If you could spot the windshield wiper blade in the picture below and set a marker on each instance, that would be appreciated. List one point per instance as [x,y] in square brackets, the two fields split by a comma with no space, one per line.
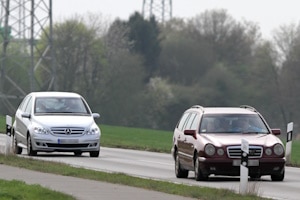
[254,132]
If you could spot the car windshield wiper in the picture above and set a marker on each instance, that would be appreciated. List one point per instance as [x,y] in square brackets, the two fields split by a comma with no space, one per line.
[254,132]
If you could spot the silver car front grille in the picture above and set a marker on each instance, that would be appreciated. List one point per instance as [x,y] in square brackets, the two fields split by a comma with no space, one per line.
[235,152]
[60,131]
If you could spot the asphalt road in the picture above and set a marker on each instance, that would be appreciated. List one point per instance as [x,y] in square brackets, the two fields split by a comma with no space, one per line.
[81,189]
[161,166]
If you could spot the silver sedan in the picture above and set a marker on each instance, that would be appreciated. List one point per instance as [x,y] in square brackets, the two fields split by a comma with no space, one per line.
[55,121]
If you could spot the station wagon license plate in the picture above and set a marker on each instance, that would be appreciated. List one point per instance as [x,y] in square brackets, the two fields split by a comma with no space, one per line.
[67,141]
[251,163]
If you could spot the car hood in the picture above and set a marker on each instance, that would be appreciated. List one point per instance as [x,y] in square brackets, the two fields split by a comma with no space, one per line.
[64,120]
[235,139]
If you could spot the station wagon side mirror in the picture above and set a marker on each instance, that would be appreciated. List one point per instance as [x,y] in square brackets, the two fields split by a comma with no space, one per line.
[96,115]
[276,131]
[191,133]
[26,115]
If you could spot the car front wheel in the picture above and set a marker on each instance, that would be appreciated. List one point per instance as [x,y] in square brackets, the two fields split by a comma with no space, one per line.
[94,153]
[77,153]
[180,173]
[16,148]
[278,177]
[199,176]
[30,152]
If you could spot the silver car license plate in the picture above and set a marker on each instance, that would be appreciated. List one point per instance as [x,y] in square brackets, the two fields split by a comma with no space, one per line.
[67,141]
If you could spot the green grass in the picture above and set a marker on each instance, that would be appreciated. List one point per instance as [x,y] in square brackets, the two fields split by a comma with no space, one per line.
[136,138]
[18,190]
[2,124]
[295,160]
[197,192]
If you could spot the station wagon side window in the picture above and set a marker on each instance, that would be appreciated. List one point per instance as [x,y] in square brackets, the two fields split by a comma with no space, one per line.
[190,121]
[182,121]
[195,123]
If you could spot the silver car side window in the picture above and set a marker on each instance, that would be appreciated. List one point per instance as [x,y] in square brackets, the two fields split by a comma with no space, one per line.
[28,106]
[24,103]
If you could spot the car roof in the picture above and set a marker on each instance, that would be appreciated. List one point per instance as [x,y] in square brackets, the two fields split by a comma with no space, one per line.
[54,94]
[228,110]
[224,110]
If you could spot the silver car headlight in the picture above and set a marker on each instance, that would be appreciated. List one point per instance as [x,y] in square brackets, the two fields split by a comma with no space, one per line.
[40,130]
[94,130]
[210,149]
[278,149]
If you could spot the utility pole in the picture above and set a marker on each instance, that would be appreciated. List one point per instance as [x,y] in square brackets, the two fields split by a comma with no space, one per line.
[160,9]
[22,23]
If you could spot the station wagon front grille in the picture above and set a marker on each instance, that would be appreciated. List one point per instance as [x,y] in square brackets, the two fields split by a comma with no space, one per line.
[235,152]
[60,131]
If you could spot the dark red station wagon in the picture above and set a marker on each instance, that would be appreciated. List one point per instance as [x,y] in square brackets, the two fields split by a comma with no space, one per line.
[207,140]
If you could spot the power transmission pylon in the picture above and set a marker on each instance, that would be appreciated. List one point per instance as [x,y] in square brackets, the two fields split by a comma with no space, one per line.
[160,9]
[22,23]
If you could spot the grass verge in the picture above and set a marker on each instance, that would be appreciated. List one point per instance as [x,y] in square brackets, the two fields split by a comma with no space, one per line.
[197,192]
[11,190]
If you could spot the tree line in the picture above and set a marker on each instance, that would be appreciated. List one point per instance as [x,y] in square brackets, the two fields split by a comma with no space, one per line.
[142,73]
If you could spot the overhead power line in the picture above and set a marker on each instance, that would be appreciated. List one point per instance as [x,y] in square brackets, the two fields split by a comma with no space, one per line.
[160,9]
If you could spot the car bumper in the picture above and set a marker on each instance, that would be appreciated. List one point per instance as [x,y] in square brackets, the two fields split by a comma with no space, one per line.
[231,167]
[65,144]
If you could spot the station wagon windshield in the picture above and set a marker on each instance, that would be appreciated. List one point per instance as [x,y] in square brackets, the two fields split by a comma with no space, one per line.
[232,123]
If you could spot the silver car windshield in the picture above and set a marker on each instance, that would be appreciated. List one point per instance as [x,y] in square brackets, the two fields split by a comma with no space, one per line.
[232,123]
[49,105]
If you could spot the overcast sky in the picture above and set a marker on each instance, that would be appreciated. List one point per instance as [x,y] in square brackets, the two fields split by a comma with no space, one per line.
[268,14]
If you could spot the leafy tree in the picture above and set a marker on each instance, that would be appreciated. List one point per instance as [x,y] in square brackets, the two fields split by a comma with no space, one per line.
[79,57]
[184,57]
[264,90]
[158,95]
[220,87]
[120,88]
[14,63]
[287,39]
[145,35]
[119,91]
[232,41]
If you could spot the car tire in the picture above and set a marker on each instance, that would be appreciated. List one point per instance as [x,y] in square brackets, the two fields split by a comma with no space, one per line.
[199,176]
[16,148]
[179,172]
[30,152]
[77,153]
[278,177]
[255,176]
[94,154]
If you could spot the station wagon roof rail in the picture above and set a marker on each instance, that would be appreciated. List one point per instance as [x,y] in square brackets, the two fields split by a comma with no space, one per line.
[248,107]
[198,106]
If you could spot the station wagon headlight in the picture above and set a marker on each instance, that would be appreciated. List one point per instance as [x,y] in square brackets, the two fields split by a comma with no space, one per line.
[268,151]
[220,152]
[40,130]
[210,149]
[278,149]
